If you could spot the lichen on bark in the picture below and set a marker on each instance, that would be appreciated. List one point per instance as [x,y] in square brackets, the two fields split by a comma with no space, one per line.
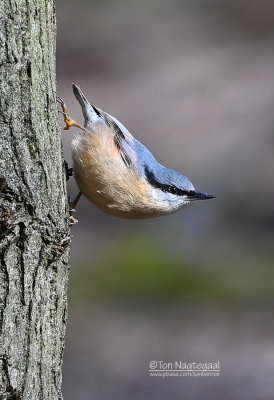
[34,231]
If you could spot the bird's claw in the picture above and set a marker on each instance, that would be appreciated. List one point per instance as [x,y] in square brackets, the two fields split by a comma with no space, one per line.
[72,220]
[69,172]
[59,100]
[72,205]
[67,118]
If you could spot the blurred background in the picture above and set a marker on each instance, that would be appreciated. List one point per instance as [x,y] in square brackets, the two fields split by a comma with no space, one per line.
[192,80]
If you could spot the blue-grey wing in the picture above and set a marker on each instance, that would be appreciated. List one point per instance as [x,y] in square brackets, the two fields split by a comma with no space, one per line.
[134,154]
[122,139]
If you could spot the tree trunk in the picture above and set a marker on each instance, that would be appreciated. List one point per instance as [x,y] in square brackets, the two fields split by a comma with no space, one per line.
[34,241]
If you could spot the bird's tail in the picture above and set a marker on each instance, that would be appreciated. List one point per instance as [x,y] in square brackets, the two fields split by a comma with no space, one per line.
[90,113]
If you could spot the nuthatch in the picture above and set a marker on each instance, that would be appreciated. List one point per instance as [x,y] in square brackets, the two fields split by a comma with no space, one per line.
[119,174]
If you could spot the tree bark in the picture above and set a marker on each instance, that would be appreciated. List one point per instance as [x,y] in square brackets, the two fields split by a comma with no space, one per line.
[35,236]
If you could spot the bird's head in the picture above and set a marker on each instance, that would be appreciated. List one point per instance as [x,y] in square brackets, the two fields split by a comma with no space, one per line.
[172,189]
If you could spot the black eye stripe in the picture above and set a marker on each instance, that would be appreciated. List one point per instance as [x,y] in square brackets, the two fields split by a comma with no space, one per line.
[166,188]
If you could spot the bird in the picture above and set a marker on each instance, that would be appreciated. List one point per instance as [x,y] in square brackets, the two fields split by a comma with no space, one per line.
[117,173]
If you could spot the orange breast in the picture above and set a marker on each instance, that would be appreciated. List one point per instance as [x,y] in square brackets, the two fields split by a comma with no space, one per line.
[106,181]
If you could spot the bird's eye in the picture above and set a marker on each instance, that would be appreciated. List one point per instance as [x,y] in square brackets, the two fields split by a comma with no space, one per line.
[172,189]
[179,192]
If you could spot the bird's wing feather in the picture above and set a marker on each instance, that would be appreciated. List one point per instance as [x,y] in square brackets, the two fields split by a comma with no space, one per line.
[122,138]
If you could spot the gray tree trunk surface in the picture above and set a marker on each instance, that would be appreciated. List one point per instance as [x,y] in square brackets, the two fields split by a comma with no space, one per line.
[34,231]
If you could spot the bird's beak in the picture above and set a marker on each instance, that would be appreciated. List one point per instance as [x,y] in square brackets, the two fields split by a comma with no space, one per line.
[201,196]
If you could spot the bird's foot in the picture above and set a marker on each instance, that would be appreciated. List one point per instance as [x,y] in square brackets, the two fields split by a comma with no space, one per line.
[72,208]
[72,220]
[67,118]
[69,171]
